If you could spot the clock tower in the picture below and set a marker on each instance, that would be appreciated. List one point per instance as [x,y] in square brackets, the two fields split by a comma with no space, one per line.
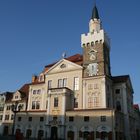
[96,48]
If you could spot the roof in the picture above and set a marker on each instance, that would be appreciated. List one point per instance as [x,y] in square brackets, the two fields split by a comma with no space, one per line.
[9,96]
[24,90]
[136,106]
[120,79]
[74,58]
[95,14]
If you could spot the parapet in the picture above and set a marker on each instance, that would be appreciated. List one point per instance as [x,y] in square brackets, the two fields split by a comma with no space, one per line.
[95,37]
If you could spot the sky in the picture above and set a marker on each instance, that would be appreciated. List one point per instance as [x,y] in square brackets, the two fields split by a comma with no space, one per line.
[34,33]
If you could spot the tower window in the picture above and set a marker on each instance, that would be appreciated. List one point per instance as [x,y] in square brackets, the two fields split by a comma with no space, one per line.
[90,102]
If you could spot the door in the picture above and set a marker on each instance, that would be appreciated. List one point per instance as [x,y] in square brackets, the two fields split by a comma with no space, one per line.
[6,130]
[70,135]
[54,133]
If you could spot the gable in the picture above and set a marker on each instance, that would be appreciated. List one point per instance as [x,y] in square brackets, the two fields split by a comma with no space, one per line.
[16,96]
[64,66]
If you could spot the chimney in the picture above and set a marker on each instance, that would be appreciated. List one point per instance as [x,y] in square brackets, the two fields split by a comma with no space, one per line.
[34,78]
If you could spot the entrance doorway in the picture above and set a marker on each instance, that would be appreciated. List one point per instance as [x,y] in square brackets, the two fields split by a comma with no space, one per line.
[40,134]
[6,130]
[54,133]
[70,135]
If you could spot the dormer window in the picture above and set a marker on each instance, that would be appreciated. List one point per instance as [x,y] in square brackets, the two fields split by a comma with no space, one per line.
[41,78]
[16,97]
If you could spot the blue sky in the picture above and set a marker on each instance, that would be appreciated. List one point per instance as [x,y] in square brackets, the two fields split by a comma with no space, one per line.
[34,33]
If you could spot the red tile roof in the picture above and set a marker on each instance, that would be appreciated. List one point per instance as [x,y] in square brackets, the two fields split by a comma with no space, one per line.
[136,106]
[9,96]
[24,90]
[74,58]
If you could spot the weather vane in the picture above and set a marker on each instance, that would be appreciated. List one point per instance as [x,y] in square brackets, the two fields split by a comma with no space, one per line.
[63,54]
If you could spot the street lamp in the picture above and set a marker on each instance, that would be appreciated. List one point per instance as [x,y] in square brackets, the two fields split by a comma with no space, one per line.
[15,109]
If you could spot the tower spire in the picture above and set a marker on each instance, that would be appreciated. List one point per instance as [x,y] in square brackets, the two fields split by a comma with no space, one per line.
[95,14]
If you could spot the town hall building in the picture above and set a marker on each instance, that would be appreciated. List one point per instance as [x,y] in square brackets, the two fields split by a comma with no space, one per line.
[77,98]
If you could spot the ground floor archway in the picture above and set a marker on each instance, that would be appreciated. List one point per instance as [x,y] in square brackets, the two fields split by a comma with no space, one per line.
[104,135]
[40,134]
[28,133]
[6,130]
[70,135]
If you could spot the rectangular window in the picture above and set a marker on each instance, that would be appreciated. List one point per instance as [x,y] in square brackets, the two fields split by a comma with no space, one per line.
[19,119]
[56,102]
[30,119]
[46,104]
[54,118]
[37,105]
[41,119]
[90,102]
[60,83]
[90,86]
[71,119]
[75,103]
[76,83]
[12,116]
[86,118]
[6,117]
[33,104]
[117,91]
[64,82]
[34,92]
[95,86]
[103,118]
[1,108]
[38,91]
[96,101]
[8,107]
[49,84]
[1,116]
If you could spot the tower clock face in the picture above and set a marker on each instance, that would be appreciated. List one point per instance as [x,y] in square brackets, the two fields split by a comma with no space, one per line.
[92,69]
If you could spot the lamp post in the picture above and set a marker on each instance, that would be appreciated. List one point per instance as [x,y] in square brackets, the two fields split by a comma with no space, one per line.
[15,109]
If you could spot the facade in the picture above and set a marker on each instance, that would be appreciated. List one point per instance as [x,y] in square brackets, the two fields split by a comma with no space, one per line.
[77,98]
